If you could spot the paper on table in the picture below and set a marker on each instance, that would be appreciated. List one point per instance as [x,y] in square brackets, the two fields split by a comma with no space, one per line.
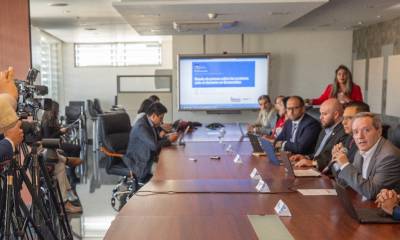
[269,227]
[317,192]
[307,173]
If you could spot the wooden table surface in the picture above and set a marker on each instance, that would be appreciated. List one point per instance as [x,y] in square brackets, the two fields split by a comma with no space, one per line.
[210,199]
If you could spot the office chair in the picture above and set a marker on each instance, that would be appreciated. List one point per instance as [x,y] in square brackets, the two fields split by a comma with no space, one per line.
[394,137]
[97,106]
[114,129]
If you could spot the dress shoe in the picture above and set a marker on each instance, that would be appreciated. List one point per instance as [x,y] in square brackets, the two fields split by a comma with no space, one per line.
[71,209]
[74,161]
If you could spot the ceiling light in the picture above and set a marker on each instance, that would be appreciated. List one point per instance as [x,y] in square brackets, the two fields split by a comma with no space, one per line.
[67,11]
[155,30]
[61,4]
[360,23]
[90,29]
[212,16]
[379,16]
[278,13]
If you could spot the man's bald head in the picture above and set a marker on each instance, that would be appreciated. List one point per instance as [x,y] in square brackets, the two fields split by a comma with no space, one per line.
[331,112]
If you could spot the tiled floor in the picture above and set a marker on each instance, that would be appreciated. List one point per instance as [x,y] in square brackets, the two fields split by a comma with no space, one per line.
[97,211]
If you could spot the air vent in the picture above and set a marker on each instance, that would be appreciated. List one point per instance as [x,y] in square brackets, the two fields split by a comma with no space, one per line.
[202,26]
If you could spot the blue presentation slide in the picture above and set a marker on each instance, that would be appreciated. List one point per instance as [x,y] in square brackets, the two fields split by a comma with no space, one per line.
[223,74]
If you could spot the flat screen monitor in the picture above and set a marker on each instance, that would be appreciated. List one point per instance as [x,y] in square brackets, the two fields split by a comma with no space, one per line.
[222,82]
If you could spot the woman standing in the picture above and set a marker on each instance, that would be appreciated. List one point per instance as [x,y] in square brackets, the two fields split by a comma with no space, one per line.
[343,88]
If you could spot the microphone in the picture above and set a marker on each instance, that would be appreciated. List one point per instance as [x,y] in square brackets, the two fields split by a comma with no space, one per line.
[330,164]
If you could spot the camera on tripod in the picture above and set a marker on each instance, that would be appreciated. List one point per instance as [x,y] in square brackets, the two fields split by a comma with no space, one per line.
[29,105]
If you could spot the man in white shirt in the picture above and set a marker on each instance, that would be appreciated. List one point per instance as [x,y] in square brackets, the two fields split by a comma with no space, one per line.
[376,164]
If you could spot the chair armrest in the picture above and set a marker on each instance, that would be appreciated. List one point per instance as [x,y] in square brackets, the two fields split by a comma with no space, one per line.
[110,154]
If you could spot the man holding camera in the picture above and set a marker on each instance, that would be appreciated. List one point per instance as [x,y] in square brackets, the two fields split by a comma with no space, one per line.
[11,134]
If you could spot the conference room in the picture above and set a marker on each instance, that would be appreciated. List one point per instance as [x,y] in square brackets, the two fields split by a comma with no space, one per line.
[190,120]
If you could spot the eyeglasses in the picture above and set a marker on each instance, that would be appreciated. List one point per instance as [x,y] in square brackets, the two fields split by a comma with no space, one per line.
[293,108]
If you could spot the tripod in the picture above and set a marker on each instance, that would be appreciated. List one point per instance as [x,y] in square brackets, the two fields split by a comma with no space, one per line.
[46,218]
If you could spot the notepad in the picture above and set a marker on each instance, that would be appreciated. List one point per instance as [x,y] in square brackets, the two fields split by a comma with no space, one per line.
[307,173]
[317,192]
[269,227]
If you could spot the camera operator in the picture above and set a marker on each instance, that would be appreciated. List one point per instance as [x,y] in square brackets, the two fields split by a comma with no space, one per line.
[11,134]
[51,129]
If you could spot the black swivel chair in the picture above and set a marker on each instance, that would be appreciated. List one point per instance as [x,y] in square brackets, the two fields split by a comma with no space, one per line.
[114,129]
[394,136]
[97,106]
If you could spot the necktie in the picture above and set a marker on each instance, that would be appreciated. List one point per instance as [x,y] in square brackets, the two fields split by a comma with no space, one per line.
[294,129]
[322,144]
[364,168]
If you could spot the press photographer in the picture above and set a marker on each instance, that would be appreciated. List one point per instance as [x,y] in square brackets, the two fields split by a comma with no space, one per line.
[11,134]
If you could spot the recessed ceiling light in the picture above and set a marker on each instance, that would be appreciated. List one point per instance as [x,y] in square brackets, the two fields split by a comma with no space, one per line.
[379,16]
[67,11]
[90,29]
[212,15]
[155,30]
[278,13]
[149,15]
[360,23]
[61,4]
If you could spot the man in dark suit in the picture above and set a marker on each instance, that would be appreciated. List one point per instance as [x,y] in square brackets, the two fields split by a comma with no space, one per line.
[348,142]
[376,164]
[144,143]
[331,117]
[300,132]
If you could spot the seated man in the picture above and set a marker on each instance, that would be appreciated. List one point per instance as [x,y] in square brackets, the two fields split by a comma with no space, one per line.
[332,133]
[376,164]
[144,142]
[389,200]
[300,132]
[266,119]
[348,143]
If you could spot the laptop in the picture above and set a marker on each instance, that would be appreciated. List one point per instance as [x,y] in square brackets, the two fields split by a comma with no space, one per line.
[363,215]
[255,144]
[269,149]
[180,140]
[298,172]
[243,133]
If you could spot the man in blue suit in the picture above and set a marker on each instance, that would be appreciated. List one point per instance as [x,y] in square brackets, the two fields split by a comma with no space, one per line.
[300,133]
[144,143]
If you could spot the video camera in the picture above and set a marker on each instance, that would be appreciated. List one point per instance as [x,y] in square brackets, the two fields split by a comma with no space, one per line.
[28,105]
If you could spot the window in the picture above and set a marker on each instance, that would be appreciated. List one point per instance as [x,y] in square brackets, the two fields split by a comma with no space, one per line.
[50,53]
[117,54]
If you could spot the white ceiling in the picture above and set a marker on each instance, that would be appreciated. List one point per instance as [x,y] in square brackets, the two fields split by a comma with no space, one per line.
[250,16]
[117,21]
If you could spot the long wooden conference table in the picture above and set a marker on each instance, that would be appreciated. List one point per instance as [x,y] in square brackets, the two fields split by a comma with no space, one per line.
[211,199]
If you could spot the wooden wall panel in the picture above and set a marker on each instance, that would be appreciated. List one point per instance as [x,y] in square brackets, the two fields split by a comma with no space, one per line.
[15,47]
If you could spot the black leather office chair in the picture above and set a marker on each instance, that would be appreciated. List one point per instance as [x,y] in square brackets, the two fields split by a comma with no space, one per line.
[394,136]
[114,129]
[91,109]
[97,106]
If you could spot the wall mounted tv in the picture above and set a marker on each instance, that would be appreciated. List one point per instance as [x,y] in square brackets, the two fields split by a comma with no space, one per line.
[222,82]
